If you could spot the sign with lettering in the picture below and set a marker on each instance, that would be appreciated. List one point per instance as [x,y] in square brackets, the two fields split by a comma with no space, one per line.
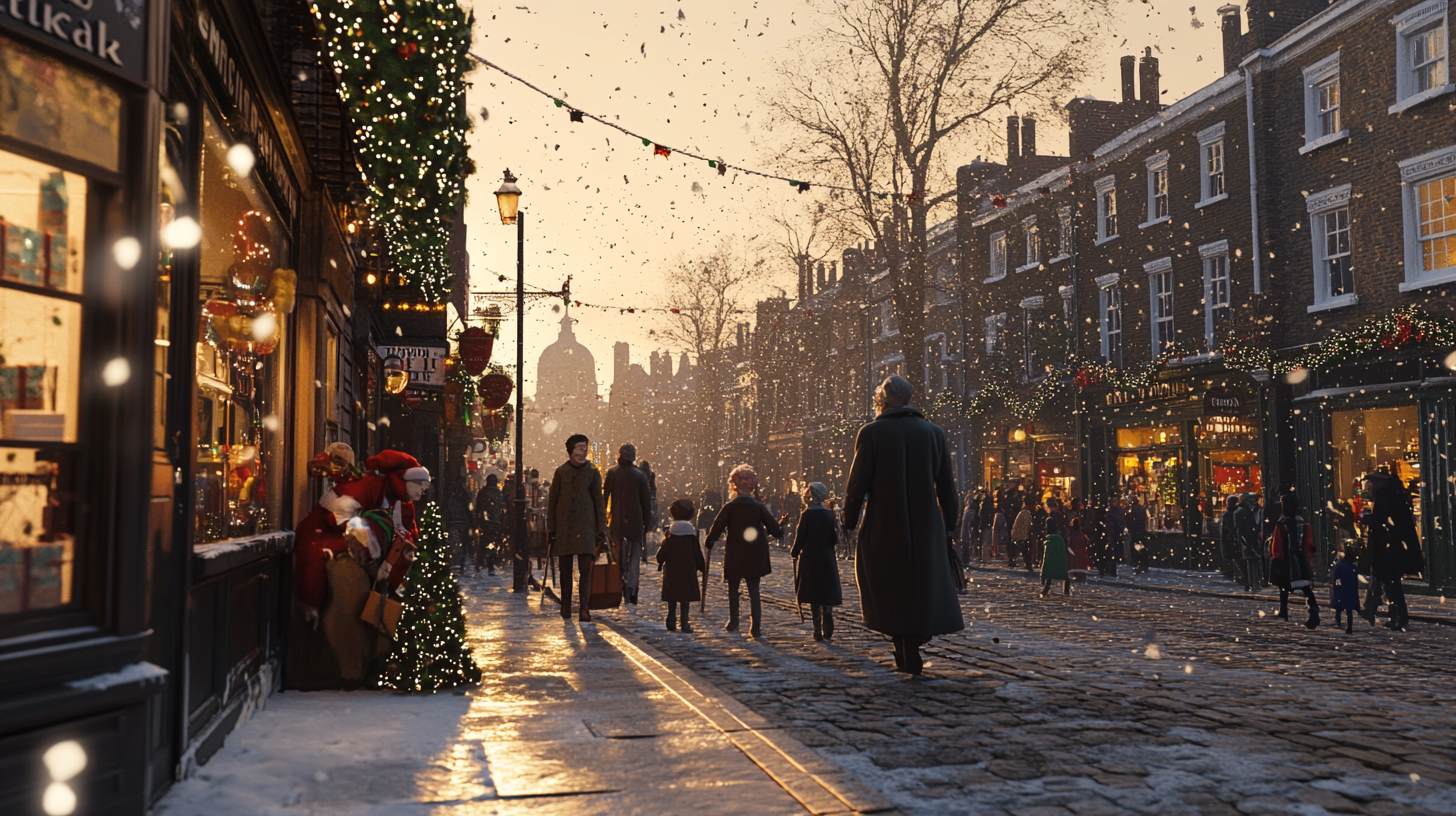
[425,364]
[249,112]
[1221,402]
[1171,389]
[109,33]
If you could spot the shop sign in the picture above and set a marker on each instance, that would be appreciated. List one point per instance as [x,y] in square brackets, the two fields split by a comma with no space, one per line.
[110,33]
[250,112]
[1221,402]
[1226,429]
[1156,391]
[425,364]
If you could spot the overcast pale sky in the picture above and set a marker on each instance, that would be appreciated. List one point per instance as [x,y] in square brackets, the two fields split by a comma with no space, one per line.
[691,75]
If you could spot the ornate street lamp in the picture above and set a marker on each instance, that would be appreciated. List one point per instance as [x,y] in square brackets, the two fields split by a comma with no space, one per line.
[508,198]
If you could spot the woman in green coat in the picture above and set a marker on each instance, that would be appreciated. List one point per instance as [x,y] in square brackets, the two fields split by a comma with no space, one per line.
[1054,564]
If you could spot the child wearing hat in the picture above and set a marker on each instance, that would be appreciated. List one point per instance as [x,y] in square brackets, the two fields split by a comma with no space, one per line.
[681,559]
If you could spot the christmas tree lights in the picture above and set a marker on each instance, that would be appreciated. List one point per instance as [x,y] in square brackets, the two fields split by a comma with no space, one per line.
[401,68]
[429,648]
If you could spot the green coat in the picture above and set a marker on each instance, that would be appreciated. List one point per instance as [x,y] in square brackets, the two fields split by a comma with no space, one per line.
[1054,558]
[576,512]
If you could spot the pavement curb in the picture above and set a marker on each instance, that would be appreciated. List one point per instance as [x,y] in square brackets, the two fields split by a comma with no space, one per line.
[1240,596]
[821,787]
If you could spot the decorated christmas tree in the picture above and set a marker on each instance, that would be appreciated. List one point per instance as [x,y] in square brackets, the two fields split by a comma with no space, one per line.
[429,646]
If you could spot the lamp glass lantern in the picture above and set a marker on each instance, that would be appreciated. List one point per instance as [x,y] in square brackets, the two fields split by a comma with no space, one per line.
[395,375]
[508,198]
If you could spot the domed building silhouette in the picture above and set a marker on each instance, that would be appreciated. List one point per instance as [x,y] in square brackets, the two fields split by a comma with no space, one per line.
[566,400]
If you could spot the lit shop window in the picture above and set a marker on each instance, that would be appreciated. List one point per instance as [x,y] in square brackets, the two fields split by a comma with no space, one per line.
[42,231]
[246,294]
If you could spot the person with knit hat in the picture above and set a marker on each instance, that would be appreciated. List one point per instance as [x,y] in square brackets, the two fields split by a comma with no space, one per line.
[816,570]
[628,494]
[576,521]
[681,559]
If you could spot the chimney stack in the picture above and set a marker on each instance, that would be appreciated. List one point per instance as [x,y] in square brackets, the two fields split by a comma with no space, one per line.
[1028,137]
[1148,77]
[833,274]
[822,281]
[1129,90]
[1229,20]
[1013,139]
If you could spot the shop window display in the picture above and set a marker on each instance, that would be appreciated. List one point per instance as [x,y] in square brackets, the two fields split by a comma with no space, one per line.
[1148,465]
[246,294]
[1370,439]
[42,235]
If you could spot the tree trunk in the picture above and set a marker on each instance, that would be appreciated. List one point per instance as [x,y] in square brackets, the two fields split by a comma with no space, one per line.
[909,275]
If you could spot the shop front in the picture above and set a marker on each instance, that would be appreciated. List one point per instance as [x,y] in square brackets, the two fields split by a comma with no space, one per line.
[1403,429]
[1178,448]
[80,664]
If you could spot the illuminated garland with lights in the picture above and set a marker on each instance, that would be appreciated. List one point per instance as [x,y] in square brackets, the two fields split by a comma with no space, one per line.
[401,70]
[1399,328]
[429,651]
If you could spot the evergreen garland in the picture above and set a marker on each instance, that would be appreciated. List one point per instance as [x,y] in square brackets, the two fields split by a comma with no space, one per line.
[401,67]
[429,651]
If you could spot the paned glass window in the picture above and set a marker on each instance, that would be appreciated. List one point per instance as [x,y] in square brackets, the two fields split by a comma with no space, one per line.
[1336,262]
[1436,223]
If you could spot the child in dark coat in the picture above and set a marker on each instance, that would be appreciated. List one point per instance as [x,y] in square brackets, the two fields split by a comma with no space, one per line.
[1345,589]
[816,574]
[681,559]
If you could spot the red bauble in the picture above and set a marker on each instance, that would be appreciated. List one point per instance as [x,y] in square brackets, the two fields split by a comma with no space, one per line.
[407,50]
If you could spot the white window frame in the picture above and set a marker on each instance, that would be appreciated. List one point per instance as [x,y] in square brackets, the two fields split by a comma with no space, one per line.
[1316,78]
[1157,165]
[1106,188]
[1212,254]
[1415,22]
[1157,316]
[1107,287]
[1208,138]
[1029,307]
[1319,205]
[1414,172]
[998,257]
[995,332]
[1064,234]
[1033,244]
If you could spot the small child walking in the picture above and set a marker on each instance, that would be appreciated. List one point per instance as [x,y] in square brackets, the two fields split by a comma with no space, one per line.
[816,574]
[1054,564]
[681,559]
[1345,589]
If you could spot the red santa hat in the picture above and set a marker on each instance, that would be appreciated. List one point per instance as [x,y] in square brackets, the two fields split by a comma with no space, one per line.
[399,467]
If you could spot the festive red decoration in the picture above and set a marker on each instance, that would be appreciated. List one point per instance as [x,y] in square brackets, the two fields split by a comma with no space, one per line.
[407,50]
[659,150]
[998,201]
[495,391]
[475,348]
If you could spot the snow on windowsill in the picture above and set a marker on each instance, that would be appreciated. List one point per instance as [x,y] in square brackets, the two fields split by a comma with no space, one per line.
[1214,200]
[1028,267]
[1108,239]
[1058,259]
[1424,96]
[1437,278]
[1327,139]
[142,672]
[1336,302]
[1155,222]
[995,278]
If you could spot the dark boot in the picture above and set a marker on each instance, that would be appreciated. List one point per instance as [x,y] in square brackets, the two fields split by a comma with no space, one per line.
[1283,605]
[755,614]
[818,621]
[828,622]
[1314,616]
[566,600]
[732,625]
[898,644]
[672,616]
[686,626]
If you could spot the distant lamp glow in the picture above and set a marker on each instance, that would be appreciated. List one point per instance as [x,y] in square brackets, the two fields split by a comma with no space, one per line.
[370,279]
[508,198]
[1018,435]
[395,376]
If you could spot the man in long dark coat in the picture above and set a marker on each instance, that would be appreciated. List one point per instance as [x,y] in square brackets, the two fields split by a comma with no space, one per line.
[629,514]
[903,480]
[1395,547]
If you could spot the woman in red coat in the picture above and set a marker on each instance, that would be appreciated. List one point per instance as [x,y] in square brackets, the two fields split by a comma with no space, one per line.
[1291,565]
[1079,563]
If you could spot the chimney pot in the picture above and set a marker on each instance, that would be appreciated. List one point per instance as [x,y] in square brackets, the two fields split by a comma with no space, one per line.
[1232,36]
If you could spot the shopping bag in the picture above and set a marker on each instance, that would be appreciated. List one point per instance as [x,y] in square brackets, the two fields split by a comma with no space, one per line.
[382,611]
[606,585]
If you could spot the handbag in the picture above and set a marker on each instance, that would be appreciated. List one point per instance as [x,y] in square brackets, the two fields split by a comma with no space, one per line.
[957,569]
[606,583]
[382,611]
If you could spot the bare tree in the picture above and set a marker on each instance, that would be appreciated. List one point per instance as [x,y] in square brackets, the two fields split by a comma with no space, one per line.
[881,94]
[809,234]
[706,297]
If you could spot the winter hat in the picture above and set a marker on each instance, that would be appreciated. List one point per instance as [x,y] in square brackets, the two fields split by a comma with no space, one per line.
[814,493]
[682,509]
[627,454]
[399,467]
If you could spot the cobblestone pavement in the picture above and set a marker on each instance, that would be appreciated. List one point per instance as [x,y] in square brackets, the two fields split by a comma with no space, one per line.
[1113,700]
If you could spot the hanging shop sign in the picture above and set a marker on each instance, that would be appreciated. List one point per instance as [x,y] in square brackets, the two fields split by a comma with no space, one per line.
[249,113]
[1172,389]
[108,33]
[1221,402]
[424,364]
[1220,430]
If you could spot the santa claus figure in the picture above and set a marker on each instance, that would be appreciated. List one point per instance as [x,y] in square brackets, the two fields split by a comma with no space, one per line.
[391,537]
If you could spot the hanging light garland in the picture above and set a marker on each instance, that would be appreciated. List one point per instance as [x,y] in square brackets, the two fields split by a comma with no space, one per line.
[401,70]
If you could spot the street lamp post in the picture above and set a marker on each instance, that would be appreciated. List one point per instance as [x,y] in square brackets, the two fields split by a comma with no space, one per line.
[508,199]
